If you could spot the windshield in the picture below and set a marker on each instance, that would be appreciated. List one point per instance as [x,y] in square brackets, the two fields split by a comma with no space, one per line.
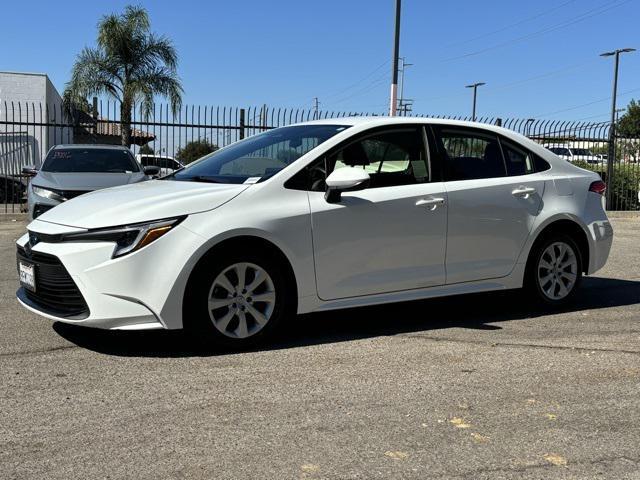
[582,152]
[260,156]
[89,160]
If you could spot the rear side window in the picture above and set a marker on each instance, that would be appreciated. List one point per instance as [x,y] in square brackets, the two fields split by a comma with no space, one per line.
[470,154]
[519,161]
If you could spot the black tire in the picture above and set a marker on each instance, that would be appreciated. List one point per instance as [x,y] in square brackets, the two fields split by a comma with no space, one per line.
[532,285]
[196,316]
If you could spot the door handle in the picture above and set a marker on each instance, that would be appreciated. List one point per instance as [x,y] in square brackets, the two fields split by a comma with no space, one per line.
[523,192]
[432,202]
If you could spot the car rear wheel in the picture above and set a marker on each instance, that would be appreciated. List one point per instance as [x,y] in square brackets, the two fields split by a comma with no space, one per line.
[237,302]
[554,271]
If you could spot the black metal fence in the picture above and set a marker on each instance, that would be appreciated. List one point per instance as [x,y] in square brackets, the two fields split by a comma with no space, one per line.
[29,130]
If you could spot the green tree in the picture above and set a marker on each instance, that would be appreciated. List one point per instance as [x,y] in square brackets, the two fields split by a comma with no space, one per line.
[629,123]
[195,150]
[145,150]
[130,64]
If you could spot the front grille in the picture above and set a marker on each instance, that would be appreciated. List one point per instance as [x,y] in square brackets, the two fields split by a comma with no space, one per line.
[56,292]
[69,194]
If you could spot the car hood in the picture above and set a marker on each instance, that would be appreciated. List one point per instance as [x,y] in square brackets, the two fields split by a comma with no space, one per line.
[85,181]
[140,202]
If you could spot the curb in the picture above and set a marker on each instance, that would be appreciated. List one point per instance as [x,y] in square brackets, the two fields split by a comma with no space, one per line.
[624,214]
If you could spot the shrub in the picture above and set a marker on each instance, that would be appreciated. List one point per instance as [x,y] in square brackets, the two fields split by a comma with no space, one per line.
[626,183]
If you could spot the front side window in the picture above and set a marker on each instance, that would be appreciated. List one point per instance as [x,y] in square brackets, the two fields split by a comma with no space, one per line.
[90,160]
[258,157]
[470,155]
[390,158]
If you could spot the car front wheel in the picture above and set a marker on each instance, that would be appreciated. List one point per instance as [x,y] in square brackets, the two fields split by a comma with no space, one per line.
[237,302]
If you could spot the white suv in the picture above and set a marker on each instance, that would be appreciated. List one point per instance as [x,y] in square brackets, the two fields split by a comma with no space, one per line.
[167,164]
[574,154]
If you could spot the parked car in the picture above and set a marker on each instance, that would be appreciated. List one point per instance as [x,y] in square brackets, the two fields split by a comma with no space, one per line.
[575,154]
[167,164]
[367,211]
[72,170]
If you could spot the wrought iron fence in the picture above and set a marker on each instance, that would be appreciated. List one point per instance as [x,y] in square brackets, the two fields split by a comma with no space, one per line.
[29,130]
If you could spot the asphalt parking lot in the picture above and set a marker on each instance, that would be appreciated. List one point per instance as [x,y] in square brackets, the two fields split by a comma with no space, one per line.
[474,387]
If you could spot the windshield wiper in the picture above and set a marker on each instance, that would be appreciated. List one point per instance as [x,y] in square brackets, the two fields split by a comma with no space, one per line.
[203,178]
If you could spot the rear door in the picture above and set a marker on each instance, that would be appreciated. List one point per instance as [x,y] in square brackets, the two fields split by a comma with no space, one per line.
[493,199]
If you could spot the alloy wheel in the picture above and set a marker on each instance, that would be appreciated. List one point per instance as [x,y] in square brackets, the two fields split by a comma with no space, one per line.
[241,300]
[557,270]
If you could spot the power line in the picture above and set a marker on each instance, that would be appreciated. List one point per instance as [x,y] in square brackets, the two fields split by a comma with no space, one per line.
[373,84]
[576,107]
[584,16]
[504,86]
[353,85]
[507,27]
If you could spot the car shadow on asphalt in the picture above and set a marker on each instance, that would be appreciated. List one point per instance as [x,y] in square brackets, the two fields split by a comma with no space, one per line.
[483,311]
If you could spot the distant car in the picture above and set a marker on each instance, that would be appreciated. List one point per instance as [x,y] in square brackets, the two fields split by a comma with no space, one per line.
[71,170]
[167,164]
[574,154]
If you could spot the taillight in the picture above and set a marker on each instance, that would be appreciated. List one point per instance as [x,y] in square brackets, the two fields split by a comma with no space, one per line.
[598,187]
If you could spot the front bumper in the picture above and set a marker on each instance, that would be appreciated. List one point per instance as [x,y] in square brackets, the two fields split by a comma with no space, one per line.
[134,292]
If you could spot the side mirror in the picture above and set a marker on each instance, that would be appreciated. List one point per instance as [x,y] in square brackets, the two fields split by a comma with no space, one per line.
[29,170]
[151,170]
[346,179]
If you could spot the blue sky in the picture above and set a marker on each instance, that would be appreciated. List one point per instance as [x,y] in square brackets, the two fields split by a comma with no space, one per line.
[539,59]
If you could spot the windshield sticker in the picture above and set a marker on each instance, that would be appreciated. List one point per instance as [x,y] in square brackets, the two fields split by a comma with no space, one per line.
[62,154]
[251,180]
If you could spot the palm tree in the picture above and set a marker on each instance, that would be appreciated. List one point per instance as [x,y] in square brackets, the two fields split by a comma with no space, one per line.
[130,64]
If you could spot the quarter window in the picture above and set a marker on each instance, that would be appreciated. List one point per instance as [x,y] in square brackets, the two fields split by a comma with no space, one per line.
[471,155]
[518,161]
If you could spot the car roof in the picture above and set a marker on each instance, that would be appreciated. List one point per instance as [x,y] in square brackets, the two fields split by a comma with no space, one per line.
[382,120]
[88,146]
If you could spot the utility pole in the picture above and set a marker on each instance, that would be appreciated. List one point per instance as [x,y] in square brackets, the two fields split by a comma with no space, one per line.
[393,101]
[475,93]
[611,156]
[402,103]
[316,108]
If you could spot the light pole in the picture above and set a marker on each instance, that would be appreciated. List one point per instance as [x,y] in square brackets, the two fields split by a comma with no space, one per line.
[475,93]
[612,129]
[527,126]
[393,101]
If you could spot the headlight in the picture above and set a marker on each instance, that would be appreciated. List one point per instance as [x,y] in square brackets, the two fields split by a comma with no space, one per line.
[128,238]
[48,193]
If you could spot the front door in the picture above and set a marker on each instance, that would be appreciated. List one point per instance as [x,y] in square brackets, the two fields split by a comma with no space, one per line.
[390,236]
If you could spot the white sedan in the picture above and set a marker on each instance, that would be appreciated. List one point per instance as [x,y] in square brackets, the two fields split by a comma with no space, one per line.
[319,216]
